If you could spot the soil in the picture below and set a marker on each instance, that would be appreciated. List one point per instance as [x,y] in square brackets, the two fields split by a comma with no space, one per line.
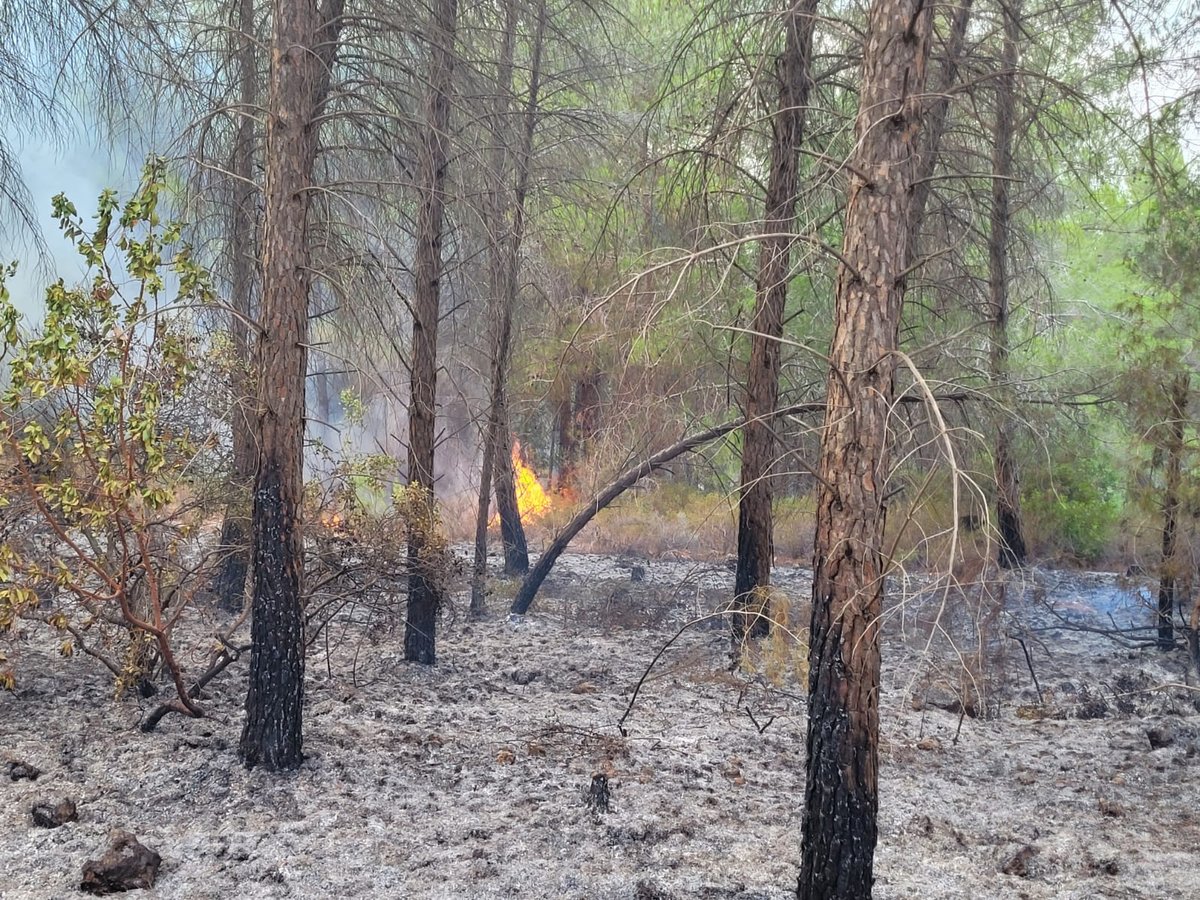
[475,778]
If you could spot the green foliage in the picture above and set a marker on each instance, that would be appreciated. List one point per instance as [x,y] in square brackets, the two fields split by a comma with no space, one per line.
[99,430]
[1073,503]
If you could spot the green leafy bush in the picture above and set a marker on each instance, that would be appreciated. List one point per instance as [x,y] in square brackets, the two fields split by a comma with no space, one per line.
[100,432]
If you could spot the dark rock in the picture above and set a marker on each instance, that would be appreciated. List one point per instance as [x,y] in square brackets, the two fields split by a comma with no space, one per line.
[1018,863]
[525,677]
[1160,736]
[637,573]
[17,770]
[125,866]
[46,815]
[651,890]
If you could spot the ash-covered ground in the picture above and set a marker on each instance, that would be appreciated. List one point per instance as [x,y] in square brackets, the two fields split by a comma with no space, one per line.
[469,779]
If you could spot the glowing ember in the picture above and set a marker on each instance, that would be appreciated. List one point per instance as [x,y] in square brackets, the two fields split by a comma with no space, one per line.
[532,499]
[332,520]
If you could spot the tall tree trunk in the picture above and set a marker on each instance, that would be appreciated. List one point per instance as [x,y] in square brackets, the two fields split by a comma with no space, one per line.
[588,398]
[1168,573]
[1011,552]
[841,795]
[229,583]
[512,532]
[564,437]
[303,45]
[500,134]
[756,546]
[424,588]
[505,272]
[933,130]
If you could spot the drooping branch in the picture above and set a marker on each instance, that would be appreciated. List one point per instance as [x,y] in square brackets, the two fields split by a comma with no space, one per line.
[627,479]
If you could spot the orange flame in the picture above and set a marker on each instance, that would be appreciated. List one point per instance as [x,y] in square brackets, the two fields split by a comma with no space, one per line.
[532,499]
[332,520]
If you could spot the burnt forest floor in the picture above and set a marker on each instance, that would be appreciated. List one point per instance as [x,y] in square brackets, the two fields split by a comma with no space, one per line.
[469,779]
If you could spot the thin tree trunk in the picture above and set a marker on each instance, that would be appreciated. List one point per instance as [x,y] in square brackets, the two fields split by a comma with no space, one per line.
[935,117]
[229,583]
[756,547]
[500,132]
[588,393]
[303,45]
[1168,573]
[564,438]
[512,532]
[841,794]
[506,270]
[1011,552]
[424,590]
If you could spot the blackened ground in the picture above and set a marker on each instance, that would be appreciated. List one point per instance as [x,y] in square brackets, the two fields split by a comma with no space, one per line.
[470,779]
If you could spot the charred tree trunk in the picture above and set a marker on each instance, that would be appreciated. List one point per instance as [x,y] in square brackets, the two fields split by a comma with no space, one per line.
[229,583]
[505,271]
[424,589]
[512,532]
[841,794]
[1011,552]
[756,549]
[1193,639]
[303,45]
[1168,573]
[501,339]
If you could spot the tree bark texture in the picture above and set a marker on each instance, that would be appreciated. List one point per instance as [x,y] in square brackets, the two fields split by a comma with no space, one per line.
[303,44]
[935,116]
[841,793]
[505,272]
[229,584]
[1011,552]
[512,531]
[1168,573]
[502,336]
[756,548]
[424,594]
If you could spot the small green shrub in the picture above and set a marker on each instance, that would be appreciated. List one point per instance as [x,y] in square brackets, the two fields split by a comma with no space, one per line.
[1074,508]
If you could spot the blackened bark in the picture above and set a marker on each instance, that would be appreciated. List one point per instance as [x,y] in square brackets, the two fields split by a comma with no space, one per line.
[478,608]
[1193,637]
[1011,552]
[229,583]
[756,545]
[424,589]
[303,44]
[512,532]
[1168,574]
[273,736]
[500,131]
[841,794]
[506,256]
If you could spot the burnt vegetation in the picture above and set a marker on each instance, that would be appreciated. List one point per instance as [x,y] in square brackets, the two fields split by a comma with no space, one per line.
[658,432]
